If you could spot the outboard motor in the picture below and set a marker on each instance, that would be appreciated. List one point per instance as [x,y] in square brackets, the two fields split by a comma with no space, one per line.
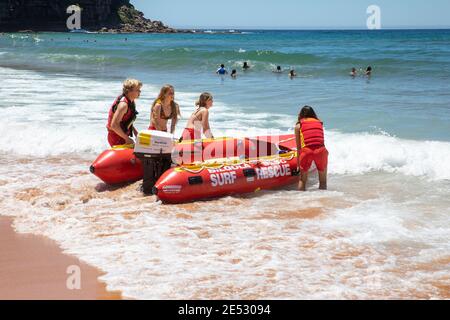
[154,149]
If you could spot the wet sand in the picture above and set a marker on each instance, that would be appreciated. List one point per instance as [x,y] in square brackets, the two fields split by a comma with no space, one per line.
[345,244]
[34,268]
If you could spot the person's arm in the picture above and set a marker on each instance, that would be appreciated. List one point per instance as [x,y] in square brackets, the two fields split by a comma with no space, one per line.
[115,124]
[159,123]
[299,143]
[174,122]
[205,123]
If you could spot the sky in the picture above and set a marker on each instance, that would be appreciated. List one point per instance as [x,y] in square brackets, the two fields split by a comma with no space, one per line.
[295,14]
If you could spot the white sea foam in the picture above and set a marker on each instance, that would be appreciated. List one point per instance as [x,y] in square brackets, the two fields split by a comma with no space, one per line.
[54,115]
[237,248]
[264,246]
[380,232]
[361,153]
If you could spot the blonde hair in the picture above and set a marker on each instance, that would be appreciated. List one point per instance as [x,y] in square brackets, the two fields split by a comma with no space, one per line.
[130,85]
[204,98]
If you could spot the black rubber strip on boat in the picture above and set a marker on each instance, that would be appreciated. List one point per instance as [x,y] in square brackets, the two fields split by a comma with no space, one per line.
[195,180]
[249,173]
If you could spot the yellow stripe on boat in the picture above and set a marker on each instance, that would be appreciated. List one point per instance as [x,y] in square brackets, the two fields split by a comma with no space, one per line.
[123,147]
[220,163]
[205,140]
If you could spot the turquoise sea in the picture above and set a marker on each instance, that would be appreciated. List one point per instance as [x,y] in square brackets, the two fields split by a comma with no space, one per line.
[381,231]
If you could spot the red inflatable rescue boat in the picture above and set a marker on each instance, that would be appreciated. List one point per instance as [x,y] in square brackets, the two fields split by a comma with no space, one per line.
[188,183]
[120,165]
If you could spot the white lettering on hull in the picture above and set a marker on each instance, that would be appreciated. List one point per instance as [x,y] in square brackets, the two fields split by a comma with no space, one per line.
[271,172]
[222,179]
[230,168]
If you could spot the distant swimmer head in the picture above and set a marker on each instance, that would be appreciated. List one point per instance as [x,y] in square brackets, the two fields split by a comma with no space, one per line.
[234,73]
[132,88]
[292,73]
[278,68]
[369,68]
[205,100]
[246,66]
[222,65]
[307,112]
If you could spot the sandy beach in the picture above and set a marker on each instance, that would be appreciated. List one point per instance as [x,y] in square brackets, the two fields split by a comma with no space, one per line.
[34,268]
[381,231]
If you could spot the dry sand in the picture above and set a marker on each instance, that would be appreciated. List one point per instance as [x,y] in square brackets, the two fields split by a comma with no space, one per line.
[34,268]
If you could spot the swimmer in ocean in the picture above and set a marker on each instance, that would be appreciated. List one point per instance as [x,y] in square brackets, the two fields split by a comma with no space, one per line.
[222,71]
[292,73]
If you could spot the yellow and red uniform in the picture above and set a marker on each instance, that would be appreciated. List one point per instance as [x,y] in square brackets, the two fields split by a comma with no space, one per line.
[312,145]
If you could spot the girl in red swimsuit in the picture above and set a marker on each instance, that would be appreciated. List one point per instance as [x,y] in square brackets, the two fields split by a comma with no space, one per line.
[199,119]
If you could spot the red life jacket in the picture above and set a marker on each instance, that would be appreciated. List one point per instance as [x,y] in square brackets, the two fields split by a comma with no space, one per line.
[128,119]
[312,134]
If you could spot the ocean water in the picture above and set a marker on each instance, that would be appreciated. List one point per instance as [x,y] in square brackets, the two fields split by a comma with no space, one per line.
[381,231]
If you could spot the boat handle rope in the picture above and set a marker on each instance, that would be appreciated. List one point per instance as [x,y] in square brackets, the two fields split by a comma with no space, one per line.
[220,166]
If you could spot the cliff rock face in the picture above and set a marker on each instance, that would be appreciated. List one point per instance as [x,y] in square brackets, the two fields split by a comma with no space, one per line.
[51,15]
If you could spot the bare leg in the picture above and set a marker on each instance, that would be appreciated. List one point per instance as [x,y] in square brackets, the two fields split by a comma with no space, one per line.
[303,180]
[323,180]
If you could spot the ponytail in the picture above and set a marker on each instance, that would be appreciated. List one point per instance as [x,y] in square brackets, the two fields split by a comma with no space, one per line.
[204,98]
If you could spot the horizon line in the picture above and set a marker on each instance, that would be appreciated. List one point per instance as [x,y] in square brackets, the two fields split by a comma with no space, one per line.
[312,28]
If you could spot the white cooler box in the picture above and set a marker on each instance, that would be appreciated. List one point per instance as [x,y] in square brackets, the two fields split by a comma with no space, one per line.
[154,142]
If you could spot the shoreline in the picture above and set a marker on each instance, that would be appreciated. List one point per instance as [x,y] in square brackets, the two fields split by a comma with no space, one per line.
[34,268]
[176,31]
[379,232]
